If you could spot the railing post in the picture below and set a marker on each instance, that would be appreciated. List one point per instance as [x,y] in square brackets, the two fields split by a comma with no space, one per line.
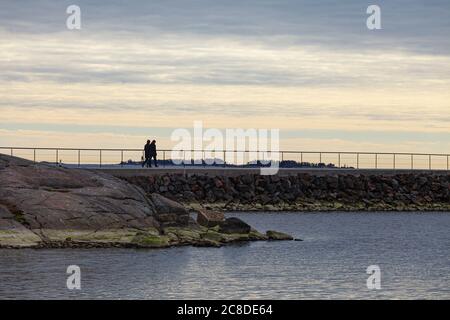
[100,158]
[164,158]
[121,158]
[224,162]
[357,161]
[429,161]
[79,157]
[34,155]
[11,152]
[320,157]
[339,159]
[301,157]
[376,160]
[447,163]
[394,161]
[412,162]
[57,156]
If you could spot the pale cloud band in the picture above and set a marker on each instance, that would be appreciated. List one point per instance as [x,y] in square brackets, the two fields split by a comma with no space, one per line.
[292,65]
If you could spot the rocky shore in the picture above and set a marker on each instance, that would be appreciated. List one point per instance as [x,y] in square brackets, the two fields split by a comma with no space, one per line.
[43,206]
[304,191]
[53,207]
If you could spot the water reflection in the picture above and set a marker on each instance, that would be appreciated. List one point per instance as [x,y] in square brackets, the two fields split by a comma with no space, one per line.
[411,249]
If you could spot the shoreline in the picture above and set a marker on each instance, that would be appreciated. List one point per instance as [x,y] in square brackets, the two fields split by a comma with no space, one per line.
[197,236]
[176,237]
[46,207]
[319,207]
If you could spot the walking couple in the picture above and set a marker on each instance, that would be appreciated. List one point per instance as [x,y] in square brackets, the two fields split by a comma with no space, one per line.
[149,153]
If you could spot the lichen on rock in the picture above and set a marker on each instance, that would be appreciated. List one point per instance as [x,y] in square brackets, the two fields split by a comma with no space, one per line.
[150,240]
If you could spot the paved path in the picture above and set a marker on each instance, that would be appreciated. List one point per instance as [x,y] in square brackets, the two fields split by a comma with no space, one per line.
[127,172]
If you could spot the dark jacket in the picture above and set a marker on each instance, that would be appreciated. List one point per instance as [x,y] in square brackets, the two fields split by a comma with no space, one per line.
[152,149]
[147,150]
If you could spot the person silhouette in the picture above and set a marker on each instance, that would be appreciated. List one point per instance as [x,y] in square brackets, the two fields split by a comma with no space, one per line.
[147,153]
[153,153]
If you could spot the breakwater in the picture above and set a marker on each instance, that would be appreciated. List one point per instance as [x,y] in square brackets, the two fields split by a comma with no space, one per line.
[309,191]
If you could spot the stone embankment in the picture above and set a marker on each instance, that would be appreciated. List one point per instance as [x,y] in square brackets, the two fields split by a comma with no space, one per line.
[304,191]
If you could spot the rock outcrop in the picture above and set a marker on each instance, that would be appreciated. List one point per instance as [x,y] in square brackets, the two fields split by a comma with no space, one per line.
[234,225]
[169,212]
[47,206]
[208,218]
[275,235]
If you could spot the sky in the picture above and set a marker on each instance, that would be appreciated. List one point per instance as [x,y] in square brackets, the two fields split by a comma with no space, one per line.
[312,69]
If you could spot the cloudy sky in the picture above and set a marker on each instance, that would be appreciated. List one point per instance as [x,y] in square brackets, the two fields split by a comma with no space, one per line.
[312,69]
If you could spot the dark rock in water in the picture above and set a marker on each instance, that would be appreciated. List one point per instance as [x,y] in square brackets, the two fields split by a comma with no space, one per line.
[234,225]
[275,235]
[208,218]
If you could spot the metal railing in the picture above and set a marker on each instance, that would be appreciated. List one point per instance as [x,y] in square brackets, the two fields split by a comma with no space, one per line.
[85,157]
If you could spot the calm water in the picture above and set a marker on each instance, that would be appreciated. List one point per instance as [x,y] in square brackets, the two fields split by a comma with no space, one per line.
[412,250]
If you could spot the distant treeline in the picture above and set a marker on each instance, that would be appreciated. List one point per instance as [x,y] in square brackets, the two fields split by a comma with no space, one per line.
[220,163]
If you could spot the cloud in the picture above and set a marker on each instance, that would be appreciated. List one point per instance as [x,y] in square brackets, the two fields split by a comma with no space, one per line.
[287,42]
[197,60]
[406,23]
[283,63]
